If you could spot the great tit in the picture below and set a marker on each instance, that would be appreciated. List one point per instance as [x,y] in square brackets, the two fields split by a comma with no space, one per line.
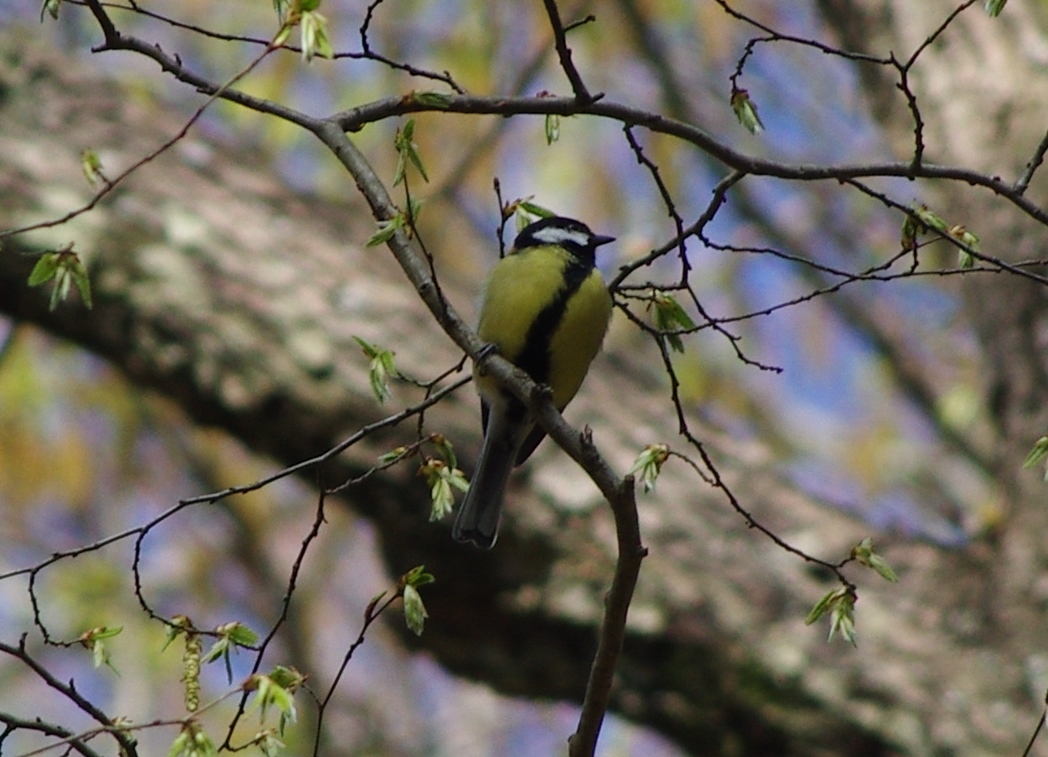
[545,308]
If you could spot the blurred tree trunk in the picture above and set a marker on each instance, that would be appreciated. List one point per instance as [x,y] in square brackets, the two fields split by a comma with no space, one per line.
[973,87]
[222,289]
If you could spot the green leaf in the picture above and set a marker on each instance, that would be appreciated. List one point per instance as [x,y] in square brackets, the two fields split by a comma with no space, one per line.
[230,636]
[393,455]
[1038,453]
[930,219]
[432,99]
[45,269]
[282,36]
[417,577]
[994,7]
[179,625]
[840,604]
[445,448]
[970,244]
[442,480]
[287,677]
[380,368]
[414,610]
[239,634]
[649,464]
[95,641]
[746,111]
[91,165]
[911,229]
[552,128]
[315,40]
[270,693]
[865,554]
[534,210]
[842,620]
[268,743]
[83,285]
[822,606]
[407,152]
[65,268]
[192,741]
[51,8]
[386,230]
[670,318]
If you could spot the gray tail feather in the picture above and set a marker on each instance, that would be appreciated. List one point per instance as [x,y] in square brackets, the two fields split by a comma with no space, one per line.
[477,519]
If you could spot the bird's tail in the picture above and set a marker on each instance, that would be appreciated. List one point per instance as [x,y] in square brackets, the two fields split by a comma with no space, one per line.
[478,516]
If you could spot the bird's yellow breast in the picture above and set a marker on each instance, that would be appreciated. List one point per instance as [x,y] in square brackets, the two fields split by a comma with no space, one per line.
[547,314]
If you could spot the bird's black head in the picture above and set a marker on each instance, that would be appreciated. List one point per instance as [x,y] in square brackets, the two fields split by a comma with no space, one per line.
[572,235]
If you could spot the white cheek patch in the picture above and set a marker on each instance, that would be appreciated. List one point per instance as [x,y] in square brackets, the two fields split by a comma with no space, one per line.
[558,235]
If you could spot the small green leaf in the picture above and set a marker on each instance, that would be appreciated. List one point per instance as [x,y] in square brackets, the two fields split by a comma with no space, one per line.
[288,677]
[51,8]
[381,368]
[280,6]
[386,230]
[95,641]
[911,229]
[282,36]
[1038,453]
[416,577]
[842,620]
[930,219]
[552,128]
[442,480]
[526,212]
[970,244]
[534,210]
[840,604]
[83,285]
[965,237]
[865,554]
[414,610]
[91,165]
[393,455]
[315,40]
[822,606]
[649,463]
[65,268]
[407,152]
[994,7]
[45,269]
[746,111]
[671,318]
[445,448]
[432,99]
[239,634]
[270,693]
[61,290]
[268,743]
[230,636]
[179,625]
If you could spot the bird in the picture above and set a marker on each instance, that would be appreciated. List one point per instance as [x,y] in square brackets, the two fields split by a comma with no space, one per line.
[545,308]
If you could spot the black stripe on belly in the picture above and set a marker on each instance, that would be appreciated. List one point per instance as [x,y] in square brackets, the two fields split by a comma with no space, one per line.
[534,359]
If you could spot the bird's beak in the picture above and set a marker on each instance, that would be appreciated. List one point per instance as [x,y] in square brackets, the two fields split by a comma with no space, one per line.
[597,240]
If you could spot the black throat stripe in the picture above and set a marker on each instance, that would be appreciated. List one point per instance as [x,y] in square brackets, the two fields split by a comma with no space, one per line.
[534,359]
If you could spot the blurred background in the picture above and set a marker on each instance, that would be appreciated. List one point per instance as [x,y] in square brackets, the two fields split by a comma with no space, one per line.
[879,409]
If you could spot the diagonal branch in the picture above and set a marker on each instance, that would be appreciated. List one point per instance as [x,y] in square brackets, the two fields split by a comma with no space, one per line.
[582,94]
